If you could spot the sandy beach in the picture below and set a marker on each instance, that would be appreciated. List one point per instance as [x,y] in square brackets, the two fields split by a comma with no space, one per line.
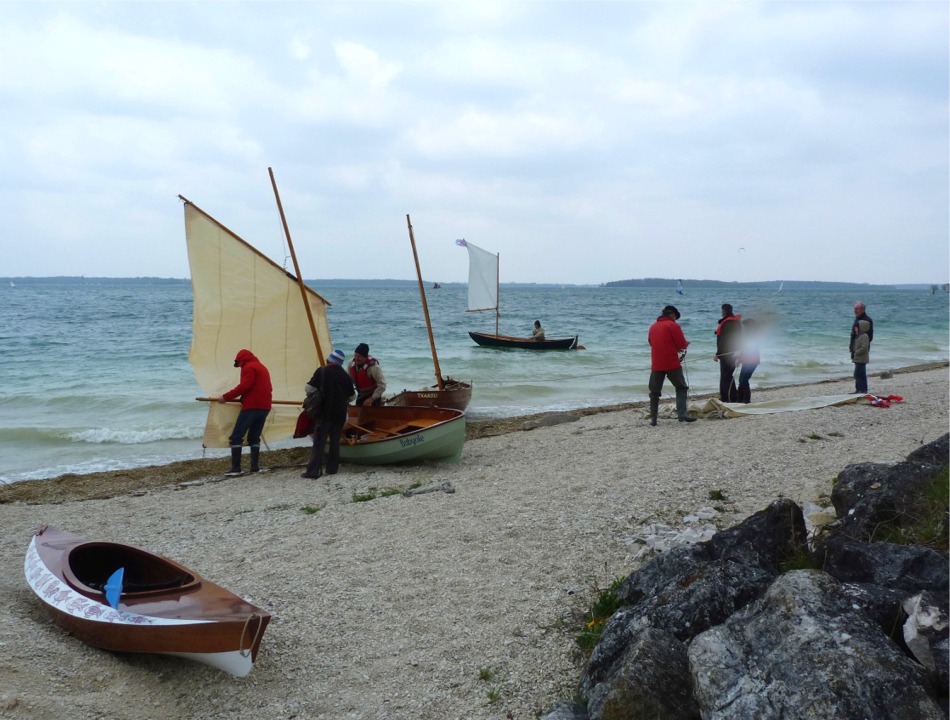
[437,606]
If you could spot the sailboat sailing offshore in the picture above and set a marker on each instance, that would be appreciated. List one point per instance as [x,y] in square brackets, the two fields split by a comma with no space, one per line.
[483,295]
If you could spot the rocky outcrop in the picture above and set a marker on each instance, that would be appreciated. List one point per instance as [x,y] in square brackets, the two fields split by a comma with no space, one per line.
[724,629]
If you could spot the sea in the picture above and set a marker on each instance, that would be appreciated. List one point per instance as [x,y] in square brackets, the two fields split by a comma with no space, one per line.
[96,375]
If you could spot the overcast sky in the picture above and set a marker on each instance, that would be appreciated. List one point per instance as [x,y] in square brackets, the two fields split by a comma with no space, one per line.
[583,141]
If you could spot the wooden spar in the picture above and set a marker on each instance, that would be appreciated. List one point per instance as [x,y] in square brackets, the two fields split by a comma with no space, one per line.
[497,290]
[274,402]
[425,308]
[300,282]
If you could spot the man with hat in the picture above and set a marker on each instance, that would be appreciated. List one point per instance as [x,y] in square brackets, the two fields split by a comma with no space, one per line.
[368,377]
[256,393]
[667,348]
[337,390]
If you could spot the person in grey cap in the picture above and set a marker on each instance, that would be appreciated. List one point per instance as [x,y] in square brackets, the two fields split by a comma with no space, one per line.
[368,377]
[337,389]
[667,349]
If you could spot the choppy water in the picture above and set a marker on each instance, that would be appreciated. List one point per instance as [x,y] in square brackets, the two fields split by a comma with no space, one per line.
[97,377]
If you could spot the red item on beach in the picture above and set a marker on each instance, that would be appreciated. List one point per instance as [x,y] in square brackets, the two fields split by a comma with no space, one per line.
[877,401]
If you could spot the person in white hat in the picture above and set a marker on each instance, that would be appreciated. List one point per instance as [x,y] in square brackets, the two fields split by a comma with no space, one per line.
[337,389]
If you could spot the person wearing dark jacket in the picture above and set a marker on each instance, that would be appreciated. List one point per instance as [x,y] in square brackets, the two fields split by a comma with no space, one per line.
[667,348]
[337,388]
[728,342]
[256,393]
[862,333]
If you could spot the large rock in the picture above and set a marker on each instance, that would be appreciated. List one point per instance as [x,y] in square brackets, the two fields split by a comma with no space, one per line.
[872,498]
[911,568]
[650,680]
[802,651]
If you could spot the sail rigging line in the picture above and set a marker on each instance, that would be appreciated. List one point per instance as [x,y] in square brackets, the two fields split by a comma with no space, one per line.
[300,282]
[425,307]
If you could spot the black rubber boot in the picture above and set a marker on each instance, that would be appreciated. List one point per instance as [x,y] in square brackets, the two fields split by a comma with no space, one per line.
[654,409]
[255,458]
[235,461]
[681,408]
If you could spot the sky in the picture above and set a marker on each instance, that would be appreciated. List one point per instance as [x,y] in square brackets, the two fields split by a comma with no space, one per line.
[584,142]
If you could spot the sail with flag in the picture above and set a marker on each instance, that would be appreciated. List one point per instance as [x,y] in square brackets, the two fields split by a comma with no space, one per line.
[243,299]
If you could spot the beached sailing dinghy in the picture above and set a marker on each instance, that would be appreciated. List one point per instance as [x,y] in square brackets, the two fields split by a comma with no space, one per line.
[122,598]
[483,295]
[243,299]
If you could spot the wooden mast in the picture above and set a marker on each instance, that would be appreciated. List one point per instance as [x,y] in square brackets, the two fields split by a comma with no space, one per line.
[425,308]
[300,282]
[497,290]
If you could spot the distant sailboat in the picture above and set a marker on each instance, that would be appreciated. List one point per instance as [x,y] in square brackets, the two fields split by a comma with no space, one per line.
[679,287]
[781,285]
[436,286]
[12,284]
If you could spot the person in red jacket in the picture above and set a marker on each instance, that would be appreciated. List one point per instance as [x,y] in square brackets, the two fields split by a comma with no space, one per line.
[256,394]
[667,348]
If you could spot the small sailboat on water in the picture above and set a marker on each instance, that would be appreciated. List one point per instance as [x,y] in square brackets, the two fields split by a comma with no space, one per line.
[679,287]
[483,295]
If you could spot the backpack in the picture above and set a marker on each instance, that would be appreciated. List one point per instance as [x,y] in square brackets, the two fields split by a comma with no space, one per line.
[313,404]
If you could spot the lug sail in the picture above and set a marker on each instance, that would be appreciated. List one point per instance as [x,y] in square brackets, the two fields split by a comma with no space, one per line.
[242,299]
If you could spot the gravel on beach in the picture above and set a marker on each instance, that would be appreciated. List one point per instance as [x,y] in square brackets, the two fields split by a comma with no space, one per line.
[432,606]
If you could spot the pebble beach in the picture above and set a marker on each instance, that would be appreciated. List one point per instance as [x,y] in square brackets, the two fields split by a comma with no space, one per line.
[442,605]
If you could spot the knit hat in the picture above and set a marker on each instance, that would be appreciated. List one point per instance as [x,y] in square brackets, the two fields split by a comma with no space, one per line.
[362,349]
[336,358]
[671,311]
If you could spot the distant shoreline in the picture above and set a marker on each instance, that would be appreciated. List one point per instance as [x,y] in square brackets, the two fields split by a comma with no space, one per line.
[642,283]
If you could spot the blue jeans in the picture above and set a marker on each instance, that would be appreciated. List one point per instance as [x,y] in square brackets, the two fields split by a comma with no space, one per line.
[861,377]
[250,423]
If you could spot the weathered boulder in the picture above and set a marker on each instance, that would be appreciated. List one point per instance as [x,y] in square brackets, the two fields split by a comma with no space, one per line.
[870,498]
[687,591]
[802,651]
[903,567]
[650,680]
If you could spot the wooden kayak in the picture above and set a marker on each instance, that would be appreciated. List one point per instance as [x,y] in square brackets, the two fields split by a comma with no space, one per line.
[391,434]
[162,607]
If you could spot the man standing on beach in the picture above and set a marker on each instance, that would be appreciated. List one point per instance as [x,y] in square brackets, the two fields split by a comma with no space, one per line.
[256,394]
[667,349]
[337,390]
[862,333]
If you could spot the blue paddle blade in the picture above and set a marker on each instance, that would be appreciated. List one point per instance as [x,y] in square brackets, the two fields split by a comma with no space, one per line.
[113,587]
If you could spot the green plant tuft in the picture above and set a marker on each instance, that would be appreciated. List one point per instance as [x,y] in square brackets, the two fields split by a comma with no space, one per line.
[606,603]
[310,509]
[364,497]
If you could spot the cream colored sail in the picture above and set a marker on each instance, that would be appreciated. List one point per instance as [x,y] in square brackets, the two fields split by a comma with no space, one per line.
[242,299]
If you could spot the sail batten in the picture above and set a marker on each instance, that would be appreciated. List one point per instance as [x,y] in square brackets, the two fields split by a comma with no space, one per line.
[240,298]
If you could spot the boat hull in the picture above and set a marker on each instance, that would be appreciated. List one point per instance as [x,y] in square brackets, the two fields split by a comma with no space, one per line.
[506,341]
[393,434]
[164,607]
[454,394]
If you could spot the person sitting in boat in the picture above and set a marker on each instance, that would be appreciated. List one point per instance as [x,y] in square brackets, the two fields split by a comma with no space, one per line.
[538,332]
[368,377]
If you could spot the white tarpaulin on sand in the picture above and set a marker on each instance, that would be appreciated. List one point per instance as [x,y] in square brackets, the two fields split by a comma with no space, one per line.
[714,408]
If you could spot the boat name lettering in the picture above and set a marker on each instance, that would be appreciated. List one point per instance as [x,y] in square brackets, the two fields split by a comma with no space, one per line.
[410,441]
